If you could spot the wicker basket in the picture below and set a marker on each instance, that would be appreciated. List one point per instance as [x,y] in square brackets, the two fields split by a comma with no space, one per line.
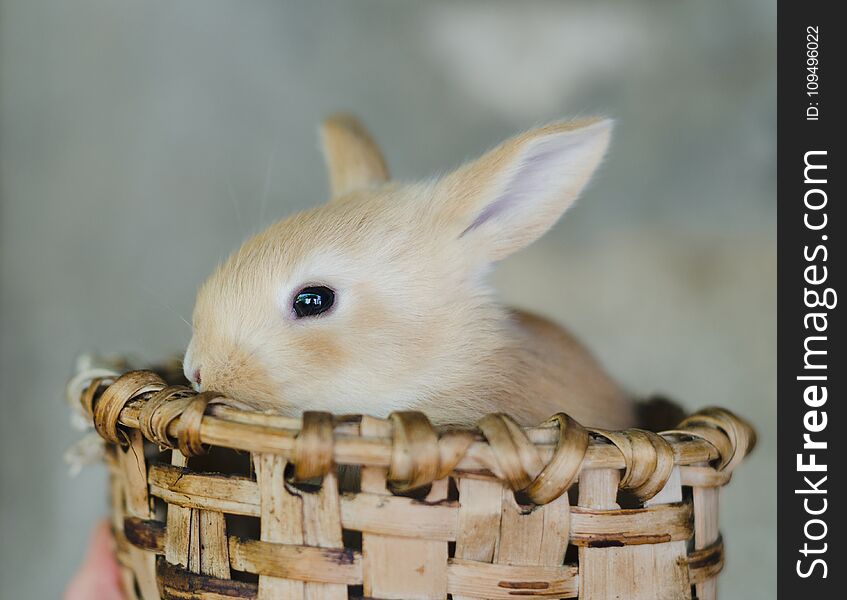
[431,513]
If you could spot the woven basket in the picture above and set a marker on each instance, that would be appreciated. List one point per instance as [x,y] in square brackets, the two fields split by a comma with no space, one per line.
[494,512]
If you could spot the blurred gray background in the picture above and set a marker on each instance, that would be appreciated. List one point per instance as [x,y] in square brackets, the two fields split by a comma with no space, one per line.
[140,142]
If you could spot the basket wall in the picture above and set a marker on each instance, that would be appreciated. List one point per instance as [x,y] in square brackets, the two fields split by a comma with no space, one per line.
[467,538]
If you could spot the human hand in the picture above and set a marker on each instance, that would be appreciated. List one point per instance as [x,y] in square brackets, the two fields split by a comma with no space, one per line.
[98,578]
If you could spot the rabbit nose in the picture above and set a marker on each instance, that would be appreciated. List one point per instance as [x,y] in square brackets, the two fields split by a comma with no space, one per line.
[195,377]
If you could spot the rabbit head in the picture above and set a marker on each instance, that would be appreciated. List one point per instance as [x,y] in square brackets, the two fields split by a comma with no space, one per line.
[376,300]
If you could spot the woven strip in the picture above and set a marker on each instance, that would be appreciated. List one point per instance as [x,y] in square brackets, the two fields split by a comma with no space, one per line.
[516,456]
[560,473]
[731,437]
[520,464]
[191,420]
[84,387]
[89,393]
[160,411]
[415,457]
[188,432]
[648,457]
[313,446]
[706,563]
[107,410]
[704,476]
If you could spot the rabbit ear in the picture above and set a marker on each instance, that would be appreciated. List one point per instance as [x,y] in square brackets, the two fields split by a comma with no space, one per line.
[512,195]
[352,157]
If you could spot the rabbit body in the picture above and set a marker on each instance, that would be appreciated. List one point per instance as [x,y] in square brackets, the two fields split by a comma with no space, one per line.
[406,319]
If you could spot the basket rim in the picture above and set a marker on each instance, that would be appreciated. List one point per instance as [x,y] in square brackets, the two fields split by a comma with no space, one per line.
[545,459]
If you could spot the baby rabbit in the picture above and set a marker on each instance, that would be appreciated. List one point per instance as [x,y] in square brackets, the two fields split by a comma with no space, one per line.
[377,300]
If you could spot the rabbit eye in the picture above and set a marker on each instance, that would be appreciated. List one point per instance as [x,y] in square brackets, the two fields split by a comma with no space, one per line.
[313,301]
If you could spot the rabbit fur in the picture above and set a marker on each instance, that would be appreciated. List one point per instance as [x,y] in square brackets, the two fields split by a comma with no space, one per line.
[414,324]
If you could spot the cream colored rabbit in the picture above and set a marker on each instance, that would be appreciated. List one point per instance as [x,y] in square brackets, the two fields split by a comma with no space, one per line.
[377,300]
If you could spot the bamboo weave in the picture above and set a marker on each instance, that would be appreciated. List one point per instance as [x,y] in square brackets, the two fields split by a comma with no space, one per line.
[495,519]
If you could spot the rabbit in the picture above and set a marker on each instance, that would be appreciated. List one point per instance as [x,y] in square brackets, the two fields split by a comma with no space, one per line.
[377,300]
